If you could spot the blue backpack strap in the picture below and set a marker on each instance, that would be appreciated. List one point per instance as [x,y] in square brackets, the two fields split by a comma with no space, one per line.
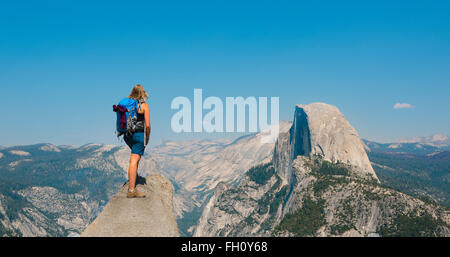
[134,109]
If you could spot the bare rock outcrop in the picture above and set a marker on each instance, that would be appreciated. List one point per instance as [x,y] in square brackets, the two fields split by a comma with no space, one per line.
[138,217]
[321,129]
[333,137]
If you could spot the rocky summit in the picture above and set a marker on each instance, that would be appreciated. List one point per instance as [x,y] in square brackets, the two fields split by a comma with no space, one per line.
[320,182]
[320,129]
[145,217]
[330,135]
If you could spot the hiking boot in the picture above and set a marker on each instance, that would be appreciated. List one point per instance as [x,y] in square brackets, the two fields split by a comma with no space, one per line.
[135,194]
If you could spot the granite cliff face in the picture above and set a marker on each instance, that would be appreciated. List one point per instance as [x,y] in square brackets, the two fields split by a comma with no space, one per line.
[320,129]
[145,217]
[333,137]
[319,183]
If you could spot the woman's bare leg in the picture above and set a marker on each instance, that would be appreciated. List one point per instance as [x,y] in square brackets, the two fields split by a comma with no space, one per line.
[132,170]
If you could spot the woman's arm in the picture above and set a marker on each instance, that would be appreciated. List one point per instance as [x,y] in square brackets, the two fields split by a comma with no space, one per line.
[148,126]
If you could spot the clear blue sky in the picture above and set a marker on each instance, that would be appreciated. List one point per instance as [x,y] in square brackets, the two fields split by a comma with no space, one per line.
[63,64]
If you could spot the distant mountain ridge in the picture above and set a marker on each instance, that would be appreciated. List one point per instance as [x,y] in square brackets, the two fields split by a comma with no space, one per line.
[438,140]
[56,190]
[410,148]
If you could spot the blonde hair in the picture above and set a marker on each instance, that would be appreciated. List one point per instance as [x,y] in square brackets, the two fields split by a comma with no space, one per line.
[138,93]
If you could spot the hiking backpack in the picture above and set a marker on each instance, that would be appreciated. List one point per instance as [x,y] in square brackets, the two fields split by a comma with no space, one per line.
[126,112]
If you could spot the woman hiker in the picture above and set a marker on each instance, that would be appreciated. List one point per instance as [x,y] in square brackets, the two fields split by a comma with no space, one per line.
[136,140]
